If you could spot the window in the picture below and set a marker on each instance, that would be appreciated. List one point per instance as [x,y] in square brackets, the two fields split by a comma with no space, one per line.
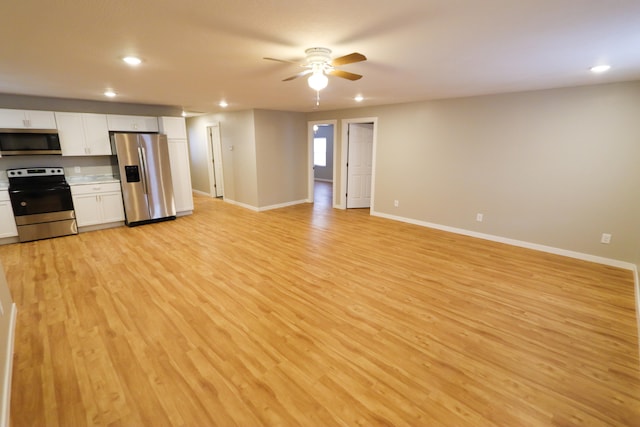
[320,151]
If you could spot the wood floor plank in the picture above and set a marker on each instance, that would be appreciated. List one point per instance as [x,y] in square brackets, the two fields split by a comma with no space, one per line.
[308,315]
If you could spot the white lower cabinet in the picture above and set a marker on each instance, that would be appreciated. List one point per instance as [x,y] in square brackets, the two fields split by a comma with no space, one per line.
[7,221]
[96,204]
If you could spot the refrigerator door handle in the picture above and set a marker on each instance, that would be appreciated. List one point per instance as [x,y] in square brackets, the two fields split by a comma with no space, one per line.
[143,166]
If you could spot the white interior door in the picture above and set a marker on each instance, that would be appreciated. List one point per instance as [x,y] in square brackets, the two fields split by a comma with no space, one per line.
[359,165]
[215,164]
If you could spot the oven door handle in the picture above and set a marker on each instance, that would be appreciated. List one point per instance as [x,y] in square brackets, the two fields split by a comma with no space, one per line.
[143,165]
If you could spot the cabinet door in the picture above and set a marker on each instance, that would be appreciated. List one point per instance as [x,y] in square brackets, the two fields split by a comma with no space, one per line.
[87,209]
[173,127]
[132,123]
[7,221]
[12,119]
[112,207]
[96,134]
[181,174]
[25,119]
[40,119]
[83,134]
[70,130]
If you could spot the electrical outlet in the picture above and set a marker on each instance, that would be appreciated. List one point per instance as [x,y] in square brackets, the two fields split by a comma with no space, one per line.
[606,238]
[396,203]
[479,217]
[77,169]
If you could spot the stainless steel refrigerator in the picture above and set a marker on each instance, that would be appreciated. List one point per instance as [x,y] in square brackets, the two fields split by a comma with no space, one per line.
[145,177]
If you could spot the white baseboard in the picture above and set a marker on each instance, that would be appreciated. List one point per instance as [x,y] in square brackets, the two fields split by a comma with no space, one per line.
[266,208]
[513,242]
[535,246]
[242,205]
[282,205]
[201,193]
[9,240]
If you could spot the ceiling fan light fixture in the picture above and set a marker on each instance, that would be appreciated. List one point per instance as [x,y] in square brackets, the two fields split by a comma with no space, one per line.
[132,60]
[600,68]
[318,81]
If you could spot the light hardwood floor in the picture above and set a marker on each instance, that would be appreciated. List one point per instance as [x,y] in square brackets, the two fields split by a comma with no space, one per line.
[310,316]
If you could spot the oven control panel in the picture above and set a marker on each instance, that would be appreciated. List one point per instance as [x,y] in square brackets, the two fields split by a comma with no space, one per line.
[34,172]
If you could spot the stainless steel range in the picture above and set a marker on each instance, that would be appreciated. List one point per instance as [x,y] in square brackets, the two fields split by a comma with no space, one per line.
[42,204]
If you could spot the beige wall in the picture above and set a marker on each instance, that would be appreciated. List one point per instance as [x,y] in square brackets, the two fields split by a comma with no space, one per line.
[264,156]
[554,167]
[198,154]
[237,138]
[281,157]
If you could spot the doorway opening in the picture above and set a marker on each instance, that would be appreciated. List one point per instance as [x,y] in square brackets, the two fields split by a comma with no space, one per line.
[322,156]
[215,169]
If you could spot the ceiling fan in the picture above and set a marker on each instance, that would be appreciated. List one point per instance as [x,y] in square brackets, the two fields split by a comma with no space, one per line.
[319,64]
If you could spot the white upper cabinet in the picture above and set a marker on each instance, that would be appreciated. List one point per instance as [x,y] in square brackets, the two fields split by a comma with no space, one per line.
[27,119]
[83,134]
[173,127]
[132,123]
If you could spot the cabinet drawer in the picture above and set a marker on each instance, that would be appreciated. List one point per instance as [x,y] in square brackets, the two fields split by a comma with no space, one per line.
[94,188]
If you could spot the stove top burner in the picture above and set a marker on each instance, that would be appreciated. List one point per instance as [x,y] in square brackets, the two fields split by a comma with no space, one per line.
[31,178]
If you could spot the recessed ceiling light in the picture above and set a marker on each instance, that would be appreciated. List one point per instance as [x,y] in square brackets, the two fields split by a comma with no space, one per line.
[358,98]
[132,60]
[109,93]
[184,113]
[600,68]
[223,104]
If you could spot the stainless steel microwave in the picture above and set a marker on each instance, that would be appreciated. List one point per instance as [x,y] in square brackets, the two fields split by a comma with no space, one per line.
[25,142]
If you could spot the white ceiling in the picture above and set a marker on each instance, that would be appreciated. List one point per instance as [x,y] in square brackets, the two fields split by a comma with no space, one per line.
[197,52]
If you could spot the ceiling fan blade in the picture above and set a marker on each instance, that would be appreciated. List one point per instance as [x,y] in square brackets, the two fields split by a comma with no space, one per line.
[303,73]
[344,74]
[348,59]
[281,60]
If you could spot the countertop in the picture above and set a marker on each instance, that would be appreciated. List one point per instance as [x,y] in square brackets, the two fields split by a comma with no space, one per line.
[91,179]
[78,180]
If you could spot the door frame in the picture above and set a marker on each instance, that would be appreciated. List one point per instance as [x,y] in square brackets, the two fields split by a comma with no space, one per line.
[210,157]
[345,156]
[310,165]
